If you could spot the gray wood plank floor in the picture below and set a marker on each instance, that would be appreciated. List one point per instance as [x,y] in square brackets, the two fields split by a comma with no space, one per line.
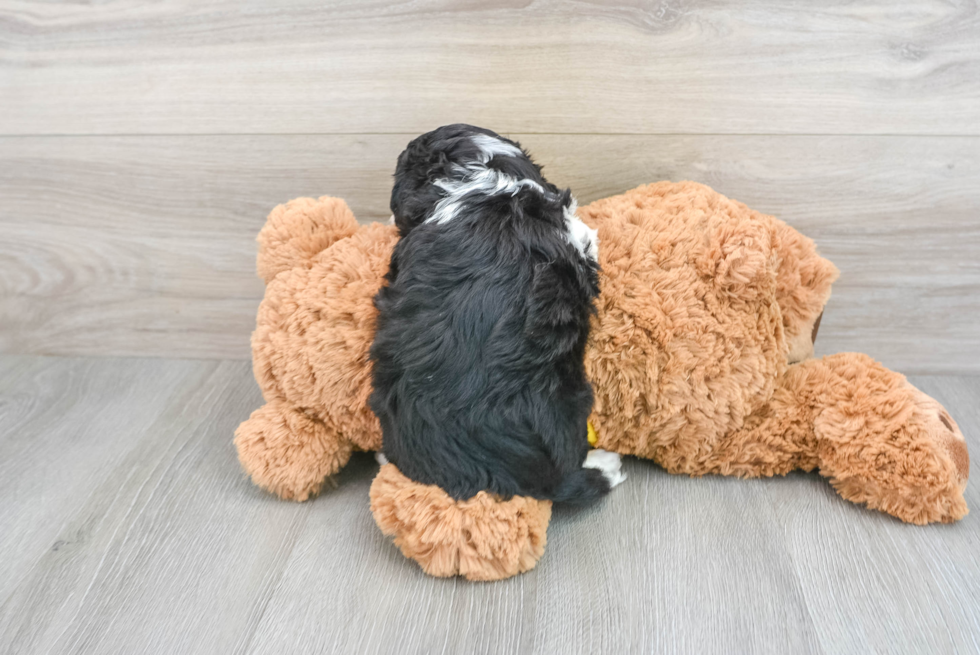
[127,527]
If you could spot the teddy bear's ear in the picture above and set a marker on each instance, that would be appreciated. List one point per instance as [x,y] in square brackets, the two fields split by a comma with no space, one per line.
[804,279]
[738,254]
[296,232]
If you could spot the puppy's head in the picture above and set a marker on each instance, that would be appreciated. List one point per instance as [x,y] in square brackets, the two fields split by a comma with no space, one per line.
[450,154]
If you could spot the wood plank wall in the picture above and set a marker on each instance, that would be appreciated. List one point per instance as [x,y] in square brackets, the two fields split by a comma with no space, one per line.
[142,144]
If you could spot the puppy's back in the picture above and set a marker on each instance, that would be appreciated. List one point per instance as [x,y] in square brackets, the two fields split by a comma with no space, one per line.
[479,380]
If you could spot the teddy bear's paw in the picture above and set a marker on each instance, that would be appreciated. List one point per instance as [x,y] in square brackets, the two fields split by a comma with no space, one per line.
[905,456]
[288,452]
[609,463]
[942,431]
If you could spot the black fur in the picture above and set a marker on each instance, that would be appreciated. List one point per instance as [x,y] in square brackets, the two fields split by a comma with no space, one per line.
[479,380]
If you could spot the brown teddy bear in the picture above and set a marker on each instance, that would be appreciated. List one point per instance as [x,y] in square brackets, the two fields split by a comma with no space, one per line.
[700,356]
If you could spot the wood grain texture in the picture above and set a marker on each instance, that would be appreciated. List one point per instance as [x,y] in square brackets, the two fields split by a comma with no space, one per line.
[129,528]
[608,66]
[132,523]
[874,587]
[145,245]
[142,145]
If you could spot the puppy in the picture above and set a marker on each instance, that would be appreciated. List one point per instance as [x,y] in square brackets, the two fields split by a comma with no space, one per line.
[478,356]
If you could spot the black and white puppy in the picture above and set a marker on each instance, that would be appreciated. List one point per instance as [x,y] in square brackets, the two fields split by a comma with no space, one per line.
[478,357]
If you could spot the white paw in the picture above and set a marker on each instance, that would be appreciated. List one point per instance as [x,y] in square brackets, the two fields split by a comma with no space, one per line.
[380,458]
[609,463]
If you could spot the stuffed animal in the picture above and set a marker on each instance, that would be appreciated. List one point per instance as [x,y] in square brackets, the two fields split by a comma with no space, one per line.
[700,356]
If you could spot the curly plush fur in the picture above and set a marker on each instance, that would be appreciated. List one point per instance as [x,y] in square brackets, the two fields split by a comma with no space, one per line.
[481,538]
[310,346]
[704,305]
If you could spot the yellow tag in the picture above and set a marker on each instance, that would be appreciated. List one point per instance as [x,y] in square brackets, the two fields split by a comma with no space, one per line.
[593,436]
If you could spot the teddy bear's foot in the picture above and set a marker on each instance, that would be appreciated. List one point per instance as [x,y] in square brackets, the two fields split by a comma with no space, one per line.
[288,452]
[884,443]
[938,467]
[482,538]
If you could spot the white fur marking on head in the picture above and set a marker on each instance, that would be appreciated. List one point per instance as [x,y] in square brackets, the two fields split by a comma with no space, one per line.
[580,235]
[475,177]
[492,146]
[487,181]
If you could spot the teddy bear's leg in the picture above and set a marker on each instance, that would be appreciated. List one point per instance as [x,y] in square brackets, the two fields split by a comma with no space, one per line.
[482,538]
[288,452]
[774,441]
[883,442]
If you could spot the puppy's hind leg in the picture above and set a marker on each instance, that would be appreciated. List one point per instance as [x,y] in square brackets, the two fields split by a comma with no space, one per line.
[598,475]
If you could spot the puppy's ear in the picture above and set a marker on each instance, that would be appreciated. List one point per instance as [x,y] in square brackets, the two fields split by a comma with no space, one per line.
[412,198]
[558,307]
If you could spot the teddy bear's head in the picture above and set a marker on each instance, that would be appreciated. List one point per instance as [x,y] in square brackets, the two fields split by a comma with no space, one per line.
[703,305]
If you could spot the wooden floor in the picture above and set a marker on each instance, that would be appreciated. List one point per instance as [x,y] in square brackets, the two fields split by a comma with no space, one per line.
[128,527]
[142,144]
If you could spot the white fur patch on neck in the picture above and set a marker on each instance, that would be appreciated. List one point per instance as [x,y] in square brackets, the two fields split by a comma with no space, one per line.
[580,235]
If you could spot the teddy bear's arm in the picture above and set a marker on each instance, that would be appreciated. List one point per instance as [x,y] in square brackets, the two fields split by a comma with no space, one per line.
[879,440]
